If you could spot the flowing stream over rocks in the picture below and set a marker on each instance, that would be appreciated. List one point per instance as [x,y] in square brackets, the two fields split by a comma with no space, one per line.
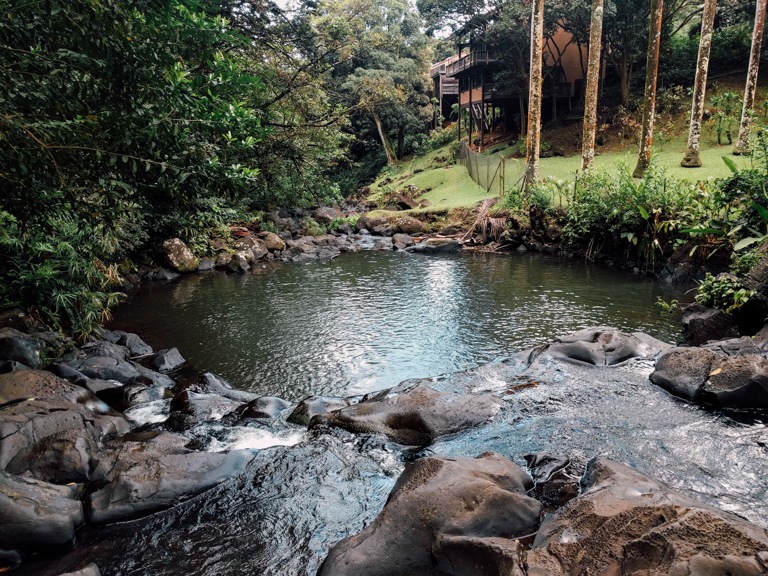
[367,322]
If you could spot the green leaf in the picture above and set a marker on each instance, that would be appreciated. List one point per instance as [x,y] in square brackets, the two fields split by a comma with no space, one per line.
[744,242]
[762,211]
[701,231]
[643,212]
[731,164]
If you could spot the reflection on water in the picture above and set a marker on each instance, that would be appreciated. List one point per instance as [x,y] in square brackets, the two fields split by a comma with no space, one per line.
[370,320]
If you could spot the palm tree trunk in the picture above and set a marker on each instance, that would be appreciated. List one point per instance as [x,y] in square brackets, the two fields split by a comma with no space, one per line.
[649,106]
[692,158]
[383,139]
[534,91]
[742,144]
[593,82]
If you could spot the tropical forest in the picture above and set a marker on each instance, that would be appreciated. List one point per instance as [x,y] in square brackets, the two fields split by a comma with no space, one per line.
[396,288]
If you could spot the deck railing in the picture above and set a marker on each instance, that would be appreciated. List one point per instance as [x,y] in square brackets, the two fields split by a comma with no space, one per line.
[480,57]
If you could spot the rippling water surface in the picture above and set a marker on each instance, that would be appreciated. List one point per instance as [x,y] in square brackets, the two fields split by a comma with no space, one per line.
[370,320]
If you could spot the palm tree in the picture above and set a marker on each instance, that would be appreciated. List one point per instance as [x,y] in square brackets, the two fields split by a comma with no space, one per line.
[742,144]
[593,80]
[534,94]
[691,158]
[649,106]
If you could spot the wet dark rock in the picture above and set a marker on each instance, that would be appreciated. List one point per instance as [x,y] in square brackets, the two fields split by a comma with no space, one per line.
[627,523]
[556,479]
[12,366]
[327,240]
[166,360]
[415,414]
[326,215]
[206,264]
[35,514]
[683,371]
[49,427]
[152,378]
[165,275]
[129,395]
[383,230]
[18,347]
[369,223]
[90,570]
[315,406]
[179,256]
[54,343]
[10,559]
[263,407]
[106,368]
[210,383]
[702,324]
[383,244]
[222,260]
[405,202]
[402,241]
[346,228]
[681,267]
[602,346]
[285,235]
[239,262]
[410,225]
[135,345]
[152,471]
[104,349]
[68,373]
[743,346]
[437,246]
[15,318]
[190,408]
[446,516]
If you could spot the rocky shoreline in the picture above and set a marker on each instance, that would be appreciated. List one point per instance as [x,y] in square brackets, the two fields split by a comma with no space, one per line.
[104,434]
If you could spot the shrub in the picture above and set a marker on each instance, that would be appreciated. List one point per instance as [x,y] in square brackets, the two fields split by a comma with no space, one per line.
[724,291]
[313,228]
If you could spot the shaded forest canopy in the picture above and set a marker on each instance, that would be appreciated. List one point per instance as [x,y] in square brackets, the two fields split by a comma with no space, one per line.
[126,122]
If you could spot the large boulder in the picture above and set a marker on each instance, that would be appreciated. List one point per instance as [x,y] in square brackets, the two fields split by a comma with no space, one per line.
[704,376]
[445,516]
[415,414]
[410,225]
[402,241]
[179,256]
[152,471]
[35,514]
[189,409]
[627,523]
[240,262]
[603,346]
[210,383]
[135,345]
[437,246]
[18,347]
[107,368]
[683,371]
[255,246]
[326,215]
[365,223]
[273,242]
[312,406]
[89,570]
[167,360]
[50,428]
[702,324]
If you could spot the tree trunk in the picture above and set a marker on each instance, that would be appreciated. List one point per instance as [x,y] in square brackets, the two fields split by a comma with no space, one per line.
[400,142]
[523,125]
[742,144]
[534,97]
[383,138]
[691,159]
[649,106]
[593,82]
[624,73]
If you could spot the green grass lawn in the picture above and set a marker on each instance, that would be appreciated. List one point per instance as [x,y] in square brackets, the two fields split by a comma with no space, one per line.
[453,188]
[669,156]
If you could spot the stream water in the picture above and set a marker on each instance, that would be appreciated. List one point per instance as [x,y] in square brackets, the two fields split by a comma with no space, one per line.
[366,321]
[369,320]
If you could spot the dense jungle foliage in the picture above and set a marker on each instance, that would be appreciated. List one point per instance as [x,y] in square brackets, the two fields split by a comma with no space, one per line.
[127,122]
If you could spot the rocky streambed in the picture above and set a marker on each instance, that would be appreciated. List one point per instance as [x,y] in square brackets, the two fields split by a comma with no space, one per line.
[562,459]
